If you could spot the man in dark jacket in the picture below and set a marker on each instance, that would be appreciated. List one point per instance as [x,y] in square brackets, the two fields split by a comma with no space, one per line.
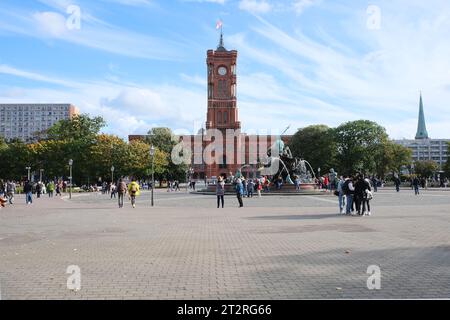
[397,183]
[416,184]
[121,191]
[360,192]
[28,190]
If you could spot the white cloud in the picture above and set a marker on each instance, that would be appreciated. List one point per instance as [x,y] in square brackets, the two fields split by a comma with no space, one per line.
[51,23]
[134,3]
[375,75]
[210,1]
[128,108]
[301,5]
[94,33]
[255,6]
[8,70]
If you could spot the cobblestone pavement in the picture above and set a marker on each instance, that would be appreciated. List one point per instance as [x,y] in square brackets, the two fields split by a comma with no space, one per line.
[294,247]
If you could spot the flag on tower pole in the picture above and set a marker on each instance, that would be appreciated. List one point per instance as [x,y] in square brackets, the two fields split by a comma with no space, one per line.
[219,24]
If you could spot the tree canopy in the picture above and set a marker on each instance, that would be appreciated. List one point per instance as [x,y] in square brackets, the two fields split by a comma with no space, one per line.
[93,154]
[317,145]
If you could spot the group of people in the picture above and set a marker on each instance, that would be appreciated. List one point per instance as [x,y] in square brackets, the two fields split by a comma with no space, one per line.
[120,189]
[174,186]
[242,187]
[355,193]
[9,189]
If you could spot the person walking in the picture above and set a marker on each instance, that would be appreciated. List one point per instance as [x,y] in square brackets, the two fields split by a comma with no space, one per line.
[244,185]
[375,183]
[397,183]
[50,189]
[113,190]
[28,190]
[266,184]
[58,189]
[133,191]
[258,187]
[297,183]
[250,188]
[416,185]
[341,194]
[121,191]
[10,191]
[349,191]
[38,189]
[220,191]
[239,192]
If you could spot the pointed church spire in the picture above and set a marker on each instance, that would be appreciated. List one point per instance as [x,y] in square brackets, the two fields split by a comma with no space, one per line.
[421,127]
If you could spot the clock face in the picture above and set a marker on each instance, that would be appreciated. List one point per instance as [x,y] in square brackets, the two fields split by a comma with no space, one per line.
[222,71]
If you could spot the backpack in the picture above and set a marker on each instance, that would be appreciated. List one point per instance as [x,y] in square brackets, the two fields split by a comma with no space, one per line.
[345,187]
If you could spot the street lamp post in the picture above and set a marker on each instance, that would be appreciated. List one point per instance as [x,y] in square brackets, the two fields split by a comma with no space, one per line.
[28,168]
[112,174]
[152,154]
[70,186]
[318,171]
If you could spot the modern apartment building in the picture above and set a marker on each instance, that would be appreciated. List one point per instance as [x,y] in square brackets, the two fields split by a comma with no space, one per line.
[23,121]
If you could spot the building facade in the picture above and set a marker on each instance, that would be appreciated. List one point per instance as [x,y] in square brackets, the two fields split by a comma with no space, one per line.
[423,147]
[221,149]
[24,121]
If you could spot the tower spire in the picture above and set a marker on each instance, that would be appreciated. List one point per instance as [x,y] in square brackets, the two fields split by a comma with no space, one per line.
[421,126]
[221,46]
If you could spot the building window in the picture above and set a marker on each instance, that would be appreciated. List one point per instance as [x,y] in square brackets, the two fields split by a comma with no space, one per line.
[210,91]
[222,88]
[219,117]
[225,117]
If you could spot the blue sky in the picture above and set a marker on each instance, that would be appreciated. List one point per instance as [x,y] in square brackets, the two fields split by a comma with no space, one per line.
[141,63]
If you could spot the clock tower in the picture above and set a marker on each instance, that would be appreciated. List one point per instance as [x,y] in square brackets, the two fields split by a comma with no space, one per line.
[222,108]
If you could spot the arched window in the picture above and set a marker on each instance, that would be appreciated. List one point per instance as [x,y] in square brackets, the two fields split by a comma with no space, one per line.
[210,91]
[219,117]
[225,117]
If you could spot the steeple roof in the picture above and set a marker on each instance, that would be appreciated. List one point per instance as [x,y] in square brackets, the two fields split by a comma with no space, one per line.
[421,127]
[221,47]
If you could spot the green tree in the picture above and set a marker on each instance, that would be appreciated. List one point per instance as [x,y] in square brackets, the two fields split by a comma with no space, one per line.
[358,144]
[80,127]
[426,168]
[80,135]
[164,140]
[108,151]
[15,156]
[391,157]
[316,145]
[139,161]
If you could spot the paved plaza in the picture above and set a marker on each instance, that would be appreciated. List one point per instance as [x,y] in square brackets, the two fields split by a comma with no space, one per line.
[276,247]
